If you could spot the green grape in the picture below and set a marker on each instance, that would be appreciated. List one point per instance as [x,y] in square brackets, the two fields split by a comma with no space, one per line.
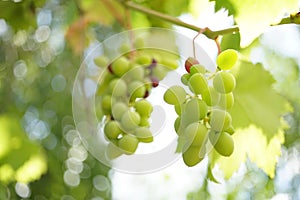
[219,120]
[143,107]
[136,72]
[106,103]
[177,124]
[143,59]
[197,69]
[175,95]
[223,143]
[144,122]
[191,156]
[120,66]
[230,130]
[226,100]
[124,48]
[130,120]
[106,77]
[143,134]
[112,129]
[198,83]
[118,109]
[185,79]
[101,61]
[178,108]
[159,72]
[112,151]
[196,109]
[136,89]
[224,82]
[117,87]
[128,143]
[139,43]
[227,59]
[211,96]
[196,134]
[170,64]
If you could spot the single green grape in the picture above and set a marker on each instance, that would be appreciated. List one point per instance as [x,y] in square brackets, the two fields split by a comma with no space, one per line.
[170,64]
[130,120]
[143,134]
[112,151]
[227,59]
[196,109]
[128,143]
[112,129]
[219,120]
[124,48]
[106,104]
[118,109]
[144,59]
[101,61]
[196,134]
[192,156]
[159,72]
[177,124]
[226,100]
[144,121]
[143,107]
[117,87]
[224,82]
[198,83]
[139,43]
[136,72]
[197,69]
[175,95]
[223,143]
[185,78]
[179,108]
[120,66]
[211,96]
[136,89]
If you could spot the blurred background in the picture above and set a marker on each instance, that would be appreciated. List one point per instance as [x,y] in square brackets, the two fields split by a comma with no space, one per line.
[43,43]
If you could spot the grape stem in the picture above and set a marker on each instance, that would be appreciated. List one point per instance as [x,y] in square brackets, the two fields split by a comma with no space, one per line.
[292,19]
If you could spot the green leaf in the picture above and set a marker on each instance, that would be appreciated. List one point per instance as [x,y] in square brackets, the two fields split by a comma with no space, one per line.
[230,41]
[251,142]
[254,16]
[256,102]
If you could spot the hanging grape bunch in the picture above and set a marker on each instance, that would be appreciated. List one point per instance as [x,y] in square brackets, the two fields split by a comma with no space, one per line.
[123,90]
[202,116]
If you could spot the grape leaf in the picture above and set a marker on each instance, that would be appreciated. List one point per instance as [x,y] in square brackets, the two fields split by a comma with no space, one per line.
[230,41]
[252,143]
[254,16]
[256,102]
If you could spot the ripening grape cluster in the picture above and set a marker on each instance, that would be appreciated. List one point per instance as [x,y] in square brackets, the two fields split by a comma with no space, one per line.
[125,84]
[203,115]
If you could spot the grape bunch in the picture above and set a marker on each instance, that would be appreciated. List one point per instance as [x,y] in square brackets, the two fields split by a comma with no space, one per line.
[125,84]
[203,112]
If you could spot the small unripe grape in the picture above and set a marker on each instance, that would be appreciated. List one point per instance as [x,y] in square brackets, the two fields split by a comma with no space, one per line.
[227,59]
[219,120]
[224,82]
[191,156]
[136,89]
[117,87]
[143,134]
[120,66]
[112,129]
[144,59]
[130,120]
[128,143]
[211,96]
[170,64]
[136,72]
[223,143]
[106,103]
[144,122]
[189,63]
[101,61]
[198,83]
[196,134]
[177,124]
[143,107]
[159,72]
[178,108]
[124,48]
[226,100]
[196,109]
[118,109]
[175,95]
[185,79]
[197,69]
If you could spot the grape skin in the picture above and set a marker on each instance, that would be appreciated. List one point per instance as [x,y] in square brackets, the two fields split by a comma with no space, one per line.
[198,83]
[219,120]
[224,82]
[128,144]
[227,59]
[175,95]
